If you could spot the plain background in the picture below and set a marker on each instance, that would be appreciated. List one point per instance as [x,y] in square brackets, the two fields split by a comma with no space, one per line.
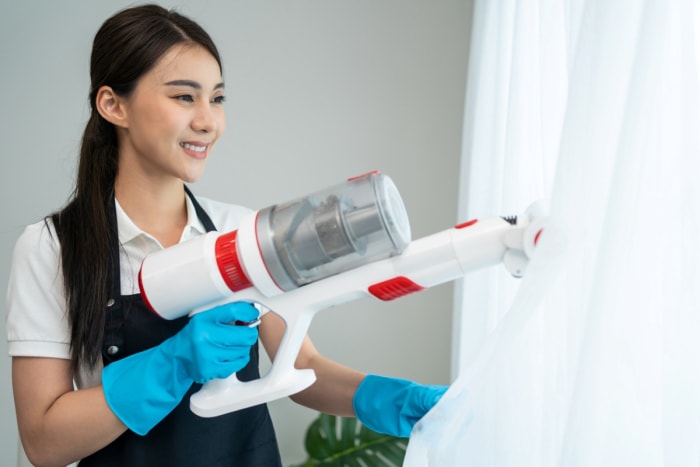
[317,91]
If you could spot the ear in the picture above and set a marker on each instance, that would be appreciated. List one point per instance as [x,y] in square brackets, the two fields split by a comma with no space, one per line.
[111,107]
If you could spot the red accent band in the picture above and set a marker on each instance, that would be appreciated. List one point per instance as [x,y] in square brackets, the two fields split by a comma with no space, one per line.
[143,294]
[394,288]
[466,224]
[537,236]
[374,172]
[228,262]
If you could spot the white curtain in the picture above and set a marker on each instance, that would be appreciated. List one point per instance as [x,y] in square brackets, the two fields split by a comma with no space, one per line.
[593,359]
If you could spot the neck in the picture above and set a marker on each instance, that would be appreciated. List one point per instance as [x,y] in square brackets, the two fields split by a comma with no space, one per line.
[160,210]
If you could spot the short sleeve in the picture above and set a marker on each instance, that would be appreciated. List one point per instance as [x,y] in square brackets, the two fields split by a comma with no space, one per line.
[37,324]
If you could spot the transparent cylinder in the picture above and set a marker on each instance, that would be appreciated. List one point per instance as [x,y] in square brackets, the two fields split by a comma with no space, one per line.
[334,230]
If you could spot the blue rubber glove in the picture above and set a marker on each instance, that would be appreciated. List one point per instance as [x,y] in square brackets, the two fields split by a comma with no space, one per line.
[144,388]
[392,406]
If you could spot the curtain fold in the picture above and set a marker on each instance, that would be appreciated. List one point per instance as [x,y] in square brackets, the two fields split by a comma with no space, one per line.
[593,358]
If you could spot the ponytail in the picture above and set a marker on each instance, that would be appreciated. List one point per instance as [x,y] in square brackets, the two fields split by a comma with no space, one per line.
[84,230]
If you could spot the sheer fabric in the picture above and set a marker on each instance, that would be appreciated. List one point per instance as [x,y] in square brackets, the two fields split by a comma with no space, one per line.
[593,359]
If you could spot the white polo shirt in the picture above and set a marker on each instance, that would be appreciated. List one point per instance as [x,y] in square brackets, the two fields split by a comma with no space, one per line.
[37,322]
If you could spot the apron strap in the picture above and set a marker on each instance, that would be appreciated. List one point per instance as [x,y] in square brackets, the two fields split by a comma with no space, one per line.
[201,214]
[113,341]
[113,344]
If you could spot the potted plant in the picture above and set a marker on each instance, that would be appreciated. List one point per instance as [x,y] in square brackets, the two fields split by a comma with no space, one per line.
[341,441]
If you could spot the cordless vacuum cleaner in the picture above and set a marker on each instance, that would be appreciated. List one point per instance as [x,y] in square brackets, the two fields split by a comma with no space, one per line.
[344,243]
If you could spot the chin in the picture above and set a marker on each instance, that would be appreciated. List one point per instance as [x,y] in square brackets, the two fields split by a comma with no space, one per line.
[191,179]
[192,176]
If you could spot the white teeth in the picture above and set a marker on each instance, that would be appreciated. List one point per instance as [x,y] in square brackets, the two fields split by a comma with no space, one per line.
[192,147]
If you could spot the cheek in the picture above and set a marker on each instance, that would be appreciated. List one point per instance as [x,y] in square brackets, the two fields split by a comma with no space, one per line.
[157,121]
[221,123]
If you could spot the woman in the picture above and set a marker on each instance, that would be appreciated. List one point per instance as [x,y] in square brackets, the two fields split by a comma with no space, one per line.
[96,376]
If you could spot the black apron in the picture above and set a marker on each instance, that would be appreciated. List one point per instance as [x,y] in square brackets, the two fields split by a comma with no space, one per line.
[242,438]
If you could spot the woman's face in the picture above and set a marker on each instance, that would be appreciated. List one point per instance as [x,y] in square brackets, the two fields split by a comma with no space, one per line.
[174,117]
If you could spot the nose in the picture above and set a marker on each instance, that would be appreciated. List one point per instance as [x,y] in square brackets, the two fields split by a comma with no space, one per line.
[204,119]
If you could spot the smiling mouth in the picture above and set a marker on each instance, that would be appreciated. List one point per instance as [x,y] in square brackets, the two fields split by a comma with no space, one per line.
[192,147]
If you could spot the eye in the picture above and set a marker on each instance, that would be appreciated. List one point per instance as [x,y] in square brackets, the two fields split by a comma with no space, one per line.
[184,97]
[219,99]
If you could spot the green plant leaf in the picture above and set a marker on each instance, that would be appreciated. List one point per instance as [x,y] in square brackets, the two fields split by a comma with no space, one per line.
[344,442]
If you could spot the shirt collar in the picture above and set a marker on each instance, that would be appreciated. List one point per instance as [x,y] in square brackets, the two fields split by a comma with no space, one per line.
[128,231]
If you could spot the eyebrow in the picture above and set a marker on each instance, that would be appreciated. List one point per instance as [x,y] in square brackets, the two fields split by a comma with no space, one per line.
[191,84]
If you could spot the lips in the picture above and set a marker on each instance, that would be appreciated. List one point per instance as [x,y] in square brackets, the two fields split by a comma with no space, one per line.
[195,149]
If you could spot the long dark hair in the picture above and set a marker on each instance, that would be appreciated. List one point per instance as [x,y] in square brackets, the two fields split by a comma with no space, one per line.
[125,47]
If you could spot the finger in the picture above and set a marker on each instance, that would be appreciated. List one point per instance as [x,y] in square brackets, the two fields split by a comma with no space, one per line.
[237,311]
[242,335]
[233,365]
[227,336]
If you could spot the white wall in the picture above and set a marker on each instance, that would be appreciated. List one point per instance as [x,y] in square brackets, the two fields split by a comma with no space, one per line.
[317,91]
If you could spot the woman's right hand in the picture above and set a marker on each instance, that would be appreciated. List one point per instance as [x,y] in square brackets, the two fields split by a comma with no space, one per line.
[216,343]
[145,387]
